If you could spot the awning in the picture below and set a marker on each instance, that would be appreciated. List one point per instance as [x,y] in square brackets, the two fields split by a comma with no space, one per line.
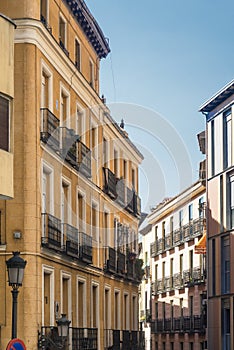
[200,247]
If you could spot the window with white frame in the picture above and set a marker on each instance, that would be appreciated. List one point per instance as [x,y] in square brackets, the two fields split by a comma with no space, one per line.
[64,107]
[65,202]
[230,198]
[81,212]
[126,312]
[95,305]
[81,303]
[46,87]
[66,294]
[227,139]
[45,12]
[62,32]
[4,123]
[107,307]
[117,309]
[77,55]
[91,73]
[47,189]
[47,296]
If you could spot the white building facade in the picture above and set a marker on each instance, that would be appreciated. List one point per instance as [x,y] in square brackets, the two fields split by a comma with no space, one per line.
[176,293]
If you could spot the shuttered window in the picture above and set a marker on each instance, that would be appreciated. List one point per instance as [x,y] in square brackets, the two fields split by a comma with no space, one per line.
[4,123]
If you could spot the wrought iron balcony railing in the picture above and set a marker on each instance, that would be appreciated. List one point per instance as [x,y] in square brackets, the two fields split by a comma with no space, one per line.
[71,240]
[109,183]
[84,338]
[51,232]
[111,260]
[193,276]
[177,237]
[123,340]
[50,129]
[65,238]
[85,249]
[81,338]
[183,324]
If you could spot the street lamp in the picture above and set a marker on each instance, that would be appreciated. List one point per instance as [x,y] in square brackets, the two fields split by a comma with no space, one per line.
[63,327]
[15,269]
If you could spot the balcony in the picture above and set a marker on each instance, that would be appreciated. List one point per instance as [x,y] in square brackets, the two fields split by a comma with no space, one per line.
[160,286]
[71,239]
[193,276]
[50,129]
[51,232]
[109,183]
[121,192]
[124,340]
[84,338]
[85,248]
[153,249]
[84,159]
[178,236]
[121,263]
[178,281]
[168,283]
[65,239]
[111,260]
[168,241]
[129,204]
[65,143]
[81,338]
[183,324]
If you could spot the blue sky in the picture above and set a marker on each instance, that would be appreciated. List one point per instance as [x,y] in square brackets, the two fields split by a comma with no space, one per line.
[167,57]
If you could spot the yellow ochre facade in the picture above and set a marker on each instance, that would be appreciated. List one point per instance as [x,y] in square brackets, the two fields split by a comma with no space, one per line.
[76,207]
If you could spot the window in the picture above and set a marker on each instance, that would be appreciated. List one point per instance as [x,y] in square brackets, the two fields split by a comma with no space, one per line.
[47,296]
[190,212]
[221,202]
[64,108]
[62,33]
[94,223]
[226,325]
[126,312]
[181,218]
[47,190]
[81,302]
[191,306]
[213,268]
[225,264]
[107,308]
[105,153]
[117,310]
[65,203]
[95,306]
[230,212]
[227,139]
[45,13]
[91,73]
[133,179]
[81,212]
[116,162]
[200,207]
[4,123]
[77,55]
[156,233]
[212,148]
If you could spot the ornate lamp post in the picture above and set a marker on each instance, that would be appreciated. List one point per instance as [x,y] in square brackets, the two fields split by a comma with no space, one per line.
[15,269]
[63,328]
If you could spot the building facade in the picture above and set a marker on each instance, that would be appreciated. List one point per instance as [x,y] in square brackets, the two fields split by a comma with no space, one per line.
[176,292]
[7,28]
[76,205]
[220,193]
